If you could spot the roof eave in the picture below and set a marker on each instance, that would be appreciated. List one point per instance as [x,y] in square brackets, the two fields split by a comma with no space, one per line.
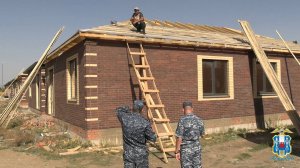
[71,42]
[81,35]
[177,42]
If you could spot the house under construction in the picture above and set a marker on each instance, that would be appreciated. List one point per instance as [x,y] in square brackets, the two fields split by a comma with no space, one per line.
[96,70]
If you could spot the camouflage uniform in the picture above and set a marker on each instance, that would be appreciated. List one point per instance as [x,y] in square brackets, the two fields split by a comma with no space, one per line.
[136,131]
[190,128]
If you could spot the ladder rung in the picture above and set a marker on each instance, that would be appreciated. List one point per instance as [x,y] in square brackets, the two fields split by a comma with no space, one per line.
[161,119]
[151,91]
[165,134]
[156,106]
[169,150]
[142,66]
[137,53]
[146,78]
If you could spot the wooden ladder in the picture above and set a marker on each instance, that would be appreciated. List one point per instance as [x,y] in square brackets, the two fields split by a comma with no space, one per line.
[156,110]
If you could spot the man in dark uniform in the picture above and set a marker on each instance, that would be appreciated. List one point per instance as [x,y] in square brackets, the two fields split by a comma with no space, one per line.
[137,20]
[188,132]
[136,131]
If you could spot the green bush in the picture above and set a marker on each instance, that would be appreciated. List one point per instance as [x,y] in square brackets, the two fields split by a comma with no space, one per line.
[16,122]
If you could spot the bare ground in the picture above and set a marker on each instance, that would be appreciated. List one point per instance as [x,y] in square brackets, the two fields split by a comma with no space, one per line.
[234,153]
[231,150]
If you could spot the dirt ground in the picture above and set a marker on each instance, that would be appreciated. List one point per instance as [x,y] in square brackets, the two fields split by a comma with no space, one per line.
[234,149]
[233,153]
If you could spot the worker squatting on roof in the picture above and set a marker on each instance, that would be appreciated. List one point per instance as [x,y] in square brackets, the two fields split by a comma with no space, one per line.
[137,20]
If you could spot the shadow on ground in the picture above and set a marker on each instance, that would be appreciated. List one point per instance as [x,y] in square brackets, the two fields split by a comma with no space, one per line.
[265,138]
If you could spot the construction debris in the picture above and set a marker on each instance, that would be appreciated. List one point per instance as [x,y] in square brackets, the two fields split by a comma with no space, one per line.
[44,121]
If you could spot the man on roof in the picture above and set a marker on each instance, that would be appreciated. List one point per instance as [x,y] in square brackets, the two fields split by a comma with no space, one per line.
[137,20]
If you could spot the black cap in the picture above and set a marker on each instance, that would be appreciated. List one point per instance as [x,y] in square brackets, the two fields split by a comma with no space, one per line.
[187,103]
[138,105]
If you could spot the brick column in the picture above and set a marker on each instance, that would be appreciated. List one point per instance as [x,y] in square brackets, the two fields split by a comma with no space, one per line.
[24,100]
[43,90]
[91,91]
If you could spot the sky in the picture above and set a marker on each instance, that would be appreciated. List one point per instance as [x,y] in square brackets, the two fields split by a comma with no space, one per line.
[27,26]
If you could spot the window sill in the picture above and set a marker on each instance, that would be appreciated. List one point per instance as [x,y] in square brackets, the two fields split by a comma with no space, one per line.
[211,98]
[72,101]
[265,96]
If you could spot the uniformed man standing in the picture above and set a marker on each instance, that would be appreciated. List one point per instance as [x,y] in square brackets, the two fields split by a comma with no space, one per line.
[136,131]
[188,132]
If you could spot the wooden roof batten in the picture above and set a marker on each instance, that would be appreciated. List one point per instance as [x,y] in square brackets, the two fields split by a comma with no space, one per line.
[174,33]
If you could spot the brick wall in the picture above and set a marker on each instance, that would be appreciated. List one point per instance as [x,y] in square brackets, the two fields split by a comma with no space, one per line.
[24,100]
[106,81]
[72,113]
[175,71]
[32,100]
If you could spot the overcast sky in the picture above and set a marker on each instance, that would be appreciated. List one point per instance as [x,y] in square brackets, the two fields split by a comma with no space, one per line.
[27,26]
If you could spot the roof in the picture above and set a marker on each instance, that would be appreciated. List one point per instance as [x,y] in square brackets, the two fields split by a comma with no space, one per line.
[8,83]
[29,69]
[26,72]
[175,33]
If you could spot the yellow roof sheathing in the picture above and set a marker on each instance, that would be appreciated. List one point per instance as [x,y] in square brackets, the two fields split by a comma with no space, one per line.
[175,33]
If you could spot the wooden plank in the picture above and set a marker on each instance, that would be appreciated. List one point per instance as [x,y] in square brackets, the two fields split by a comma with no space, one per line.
[271,75]
[156,106]
[288,47]
[161,119]
[142,66]
[146,78]
[151,91]
[165,134]
[137,53]
[169,149]
[6,115]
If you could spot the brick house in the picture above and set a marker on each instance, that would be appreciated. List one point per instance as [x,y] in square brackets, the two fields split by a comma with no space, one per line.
[89,75]
[13,86]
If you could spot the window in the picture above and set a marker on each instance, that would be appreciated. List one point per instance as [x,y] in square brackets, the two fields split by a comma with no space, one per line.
[72,79]
[215,78]
[262,86]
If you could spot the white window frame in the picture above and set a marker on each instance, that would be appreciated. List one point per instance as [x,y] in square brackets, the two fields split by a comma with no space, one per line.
[68,82]
[230,77]
[278,68]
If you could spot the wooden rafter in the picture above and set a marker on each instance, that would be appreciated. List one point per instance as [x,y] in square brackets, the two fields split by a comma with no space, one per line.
[174,33]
